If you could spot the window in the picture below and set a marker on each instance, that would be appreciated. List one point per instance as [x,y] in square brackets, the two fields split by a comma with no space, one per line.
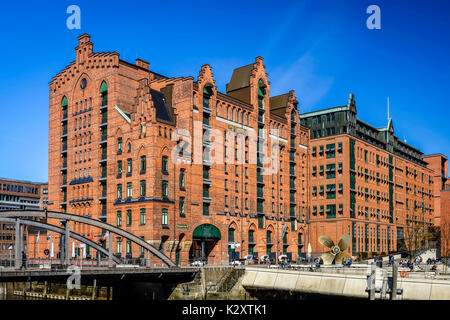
[119,168]
[119,246]
[129,190]
[165,217]
[143,164]
[129,147]
[330,150]
[331,191]
[331,171]
[142,217]
[119,218]
[331,211]
[260,221]
[165,189]
[165,167]
[104,93]
[251,238]
[129,166]
[230,235]
[182,179]
[182,211]
[205,209]
[142,188]
[269,237]
[119,146]
[119,191]
[128,218]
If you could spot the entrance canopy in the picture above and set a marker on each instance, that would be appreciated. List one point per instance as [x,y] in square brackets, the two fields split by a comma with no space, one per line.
[206,231]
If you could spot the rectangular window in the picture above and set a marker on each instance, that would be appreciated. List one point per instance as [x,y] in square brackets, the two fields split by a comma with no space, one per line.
[331,211]
[206,209]
[331,171]
[331,191]
[314,151]
[165,217]
[182,179]
[143,164]
[165,189]
[165,165]
[119,168]
[119,146]
[142,188]
[129,190]
[182,211]
[119,191]
[119,218]
[330,149]
[129,166]
[142,217]
[128,218]
[119,246]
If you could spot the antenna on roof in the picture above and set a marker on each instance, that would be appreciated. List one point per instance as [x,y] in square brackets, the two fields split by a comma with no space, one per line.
[388,108]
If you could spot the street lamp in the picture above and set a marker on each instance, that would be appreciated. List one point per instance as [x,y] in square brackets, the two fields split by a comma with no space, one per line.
[10,254]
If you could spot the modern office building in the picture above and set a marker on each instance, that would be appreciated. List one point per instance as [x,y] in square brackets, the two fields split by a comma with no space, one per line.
[18,195]
[198,173]
[365,182]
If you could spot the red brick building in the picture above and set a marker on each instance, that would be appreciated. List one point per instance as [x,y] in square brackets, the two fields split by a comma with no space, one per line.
[197,173]
[445,221]
[364,182]
[439,164]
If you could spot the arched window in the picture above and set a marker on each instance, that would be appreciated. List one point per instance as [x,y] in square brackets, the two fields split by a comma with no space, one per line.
[217,108]
[261,93]
[104,93]
[228,113]
[207,93]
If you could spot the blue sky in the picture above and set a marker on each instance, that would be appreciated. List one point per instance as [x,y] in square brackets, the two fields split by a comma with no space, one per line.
[321,49]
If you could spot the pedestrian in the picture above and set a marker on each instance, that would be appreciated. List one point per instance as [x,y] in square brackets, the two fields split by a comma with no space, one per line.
[24,260]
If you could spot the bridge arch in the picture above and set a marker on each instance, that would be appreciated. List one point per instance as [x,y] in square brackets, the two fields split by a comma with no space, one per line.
[54,228]
[23,214]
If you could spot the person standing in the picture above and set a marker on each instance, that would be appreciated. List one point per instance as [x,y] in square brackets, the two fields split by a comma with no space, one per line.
[24,260]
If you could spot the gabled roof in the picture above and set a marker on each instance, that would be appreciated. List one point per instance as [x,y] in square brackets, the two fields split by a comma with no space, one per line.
[159,102]
[278,104]
[240,78]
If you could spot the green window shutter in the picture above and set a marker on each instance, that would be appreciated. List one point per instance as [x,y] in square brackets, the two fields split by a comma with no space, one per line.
[64,102]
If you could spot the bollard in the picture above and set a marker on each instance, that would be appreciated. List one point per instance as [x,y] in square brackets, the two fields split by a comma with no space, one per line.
[372,282]
[394,281]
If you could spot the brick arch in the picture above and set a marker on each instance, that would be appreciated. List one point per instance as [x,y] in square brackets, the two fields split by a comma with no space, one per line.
[164,151]
[90,83]
[141,149]
[233,225]
[252,227]
[270,228]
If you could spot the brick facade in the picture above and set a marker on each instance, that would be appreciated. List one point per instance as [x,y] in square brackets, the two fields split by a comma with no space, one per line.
[364,182]
[113,130]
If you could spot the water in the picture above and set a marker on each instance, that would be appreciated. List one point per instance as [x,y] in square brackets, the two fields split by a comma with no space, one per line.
[15,297]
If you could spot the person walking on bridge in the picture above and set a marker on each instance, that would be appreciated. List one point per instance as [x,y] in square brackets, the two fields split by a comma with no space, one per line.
[24,260]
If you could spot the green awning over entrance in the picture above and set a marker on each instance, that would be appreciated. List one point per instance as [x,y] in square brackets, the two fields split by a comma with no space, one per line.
[207,231]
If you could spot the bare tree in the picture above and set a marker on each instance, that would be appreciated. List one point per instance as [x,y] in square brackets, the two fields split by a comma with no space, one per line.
[445,241]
